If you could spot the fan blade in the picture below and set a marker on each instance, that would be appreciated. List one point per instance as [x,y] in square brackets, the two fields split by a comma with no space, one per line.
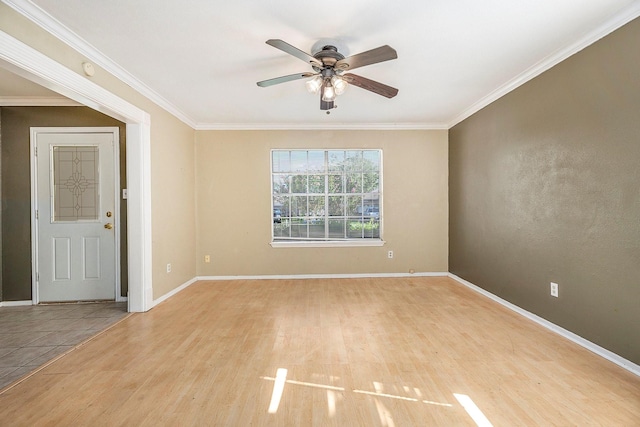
[284,79]
[371,85]
[291,50]
[373,56]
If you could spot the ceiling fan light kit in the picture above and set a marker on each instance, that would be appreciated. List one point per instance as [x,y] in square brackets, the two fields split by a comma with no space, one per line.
[314,84]
[329,65]
[339,84]
[328,92]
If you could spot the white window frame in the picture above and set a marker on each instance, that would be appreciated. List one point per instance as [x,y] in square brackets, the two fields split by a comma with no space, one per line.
[346,242]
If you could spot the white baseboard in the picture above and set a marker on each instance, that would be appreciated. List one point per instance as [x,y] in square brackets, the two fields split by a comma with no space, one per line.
[323,276]
[173,292]
[15,303]
[600,351]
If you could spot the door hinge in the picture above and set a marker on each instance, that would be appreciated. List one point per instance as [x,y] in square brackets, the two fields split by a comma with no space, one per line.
[36,213]
[35,151]
[37,277]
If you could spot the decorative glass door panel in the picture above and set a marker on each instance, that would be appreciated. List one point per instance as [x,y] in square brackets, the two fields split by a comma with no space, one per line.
[76,183]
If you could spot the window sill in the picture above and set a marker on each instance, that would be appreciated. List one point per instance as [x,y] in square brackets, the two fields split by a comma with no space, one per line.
[329,244]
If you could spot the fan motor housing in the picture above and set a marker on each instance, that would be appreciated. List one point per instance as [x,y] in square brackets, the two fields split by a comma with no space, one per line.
[329,55]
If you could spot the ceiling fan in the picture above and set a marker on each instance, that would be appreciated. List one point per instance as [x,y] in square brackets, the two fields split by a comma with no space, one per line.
[329,65]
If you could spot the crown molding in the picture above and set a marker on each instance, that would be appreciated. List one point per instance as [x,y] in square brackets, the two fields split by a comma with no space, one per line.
[41,18]
[319,126]
[37,101]
[33,65]
[625,16]
[35,14]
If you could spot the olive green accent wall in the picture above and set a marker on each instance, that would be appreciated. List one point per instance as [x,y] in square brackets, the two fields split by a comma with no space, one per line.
[545,186]
[16,188]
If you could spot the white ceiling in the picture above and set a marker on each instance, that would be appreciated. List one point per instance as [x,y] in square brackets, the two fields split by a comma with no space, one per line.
[201,59]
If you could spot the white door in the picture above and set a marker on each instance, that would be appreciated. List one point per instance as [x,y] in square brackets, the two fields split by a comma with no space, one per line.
[75,216]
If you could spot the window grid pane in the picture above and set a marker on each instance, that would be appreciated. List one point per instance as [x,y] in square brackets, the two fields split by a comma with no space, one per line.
[326,194]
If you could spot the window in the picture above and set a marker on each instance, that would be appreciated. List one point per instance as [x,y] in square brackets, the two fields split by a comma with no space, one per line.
[326,195]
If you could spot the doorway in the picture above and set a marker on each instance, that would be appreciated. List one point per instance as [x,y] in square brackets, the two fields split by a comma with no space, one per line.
[24,60]
[76,214]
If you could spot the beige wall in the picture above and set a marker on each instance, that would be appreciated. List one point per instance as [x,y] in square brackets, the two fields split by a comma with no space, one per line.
[234,204]
[233,186]
[172,161]
[172,204]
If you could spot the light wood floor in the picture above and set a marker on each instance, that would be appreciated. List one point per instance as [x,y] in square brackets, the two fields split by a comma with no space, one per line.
[352,352]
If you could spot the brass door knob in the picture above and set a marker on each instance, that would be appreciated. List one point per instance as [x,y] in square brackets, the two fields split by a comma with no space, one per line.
[108,226]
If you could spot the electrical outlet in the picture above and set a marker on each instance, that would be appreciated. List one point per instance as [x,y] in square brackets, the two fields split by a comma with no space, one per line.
[169,268]
[207,258]
[390,254]
[554,289]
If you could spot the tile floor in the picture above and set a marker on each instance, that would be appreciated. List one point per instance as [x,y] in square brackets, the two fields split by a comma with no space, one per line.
[30,336]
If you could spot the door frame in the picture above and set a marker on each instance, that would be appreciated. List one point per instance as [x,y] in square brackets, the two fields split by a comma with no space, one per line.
[33,65]
[35,224]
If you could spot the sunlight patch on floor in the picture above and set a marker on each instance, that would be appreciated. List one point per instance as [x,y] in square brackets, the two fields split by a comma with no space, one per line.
[278,388]
[331,403]
[474,412]
[385,415]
